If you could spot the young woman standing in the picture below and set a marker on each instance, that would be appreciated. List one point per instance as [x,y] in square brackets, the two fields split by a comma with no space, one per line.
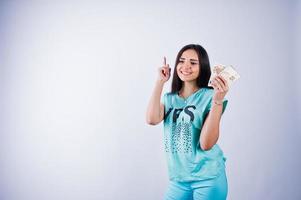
[191,113]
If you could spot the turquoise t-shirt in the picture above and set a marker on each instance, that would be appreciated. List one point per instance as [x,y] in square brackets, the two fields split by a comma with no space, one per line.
[183,121]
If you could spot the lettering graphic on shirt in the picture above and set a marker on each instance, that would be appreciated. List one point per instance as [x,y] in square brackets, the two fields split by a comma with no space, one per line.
[180,137]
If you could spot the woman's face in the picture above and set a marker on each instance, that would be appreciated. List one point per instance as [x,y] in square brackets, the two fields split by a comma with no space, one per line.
[188,66]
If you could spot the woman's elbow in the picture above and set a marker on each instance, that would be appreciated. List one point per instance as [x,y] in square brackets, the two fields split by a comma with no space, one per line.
[206,146]
[150,121]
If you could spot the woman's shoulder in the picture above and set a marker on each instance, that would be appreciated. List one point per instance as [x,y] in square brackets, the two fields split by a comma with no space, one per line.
[168,94]
[205,94]
[208,91]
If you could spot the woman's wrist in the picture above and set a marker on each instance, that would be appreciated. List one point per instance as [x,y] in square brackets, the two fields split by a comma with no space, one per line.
[217,102]
[160,82]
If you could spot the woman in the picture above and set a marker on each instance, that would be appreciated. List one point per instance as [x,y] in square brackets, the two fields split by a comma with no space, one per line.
[191,112]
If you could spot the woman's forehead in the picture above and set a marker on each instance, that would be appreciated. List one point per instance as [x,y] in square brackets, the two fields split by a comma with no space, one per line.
[190,53]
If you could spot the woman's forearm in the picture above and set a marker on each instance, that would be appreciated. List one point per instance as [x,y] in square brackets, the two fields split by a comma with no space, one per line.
[210,130]
[153,110]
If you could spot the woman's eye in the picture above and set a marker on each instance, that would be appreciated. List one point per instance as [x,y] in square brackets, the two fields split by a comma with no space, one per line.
[193,63]
[181,61]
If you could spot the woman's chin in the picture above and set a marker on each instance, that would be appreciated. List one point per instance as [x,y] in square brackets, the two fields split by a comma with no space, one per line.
[187,79]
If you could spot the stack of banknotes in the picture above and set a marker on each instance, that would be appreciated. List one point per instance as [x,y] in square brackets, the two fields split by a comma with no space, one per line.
[227,72]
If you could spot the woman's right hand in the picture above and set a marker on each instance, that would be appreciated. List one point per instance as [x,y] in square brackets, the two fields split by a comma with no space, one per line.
[164,72]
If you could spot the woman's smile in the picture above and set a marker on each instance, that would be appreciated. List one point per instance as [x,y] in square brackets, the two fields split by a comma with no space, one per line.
[186,73]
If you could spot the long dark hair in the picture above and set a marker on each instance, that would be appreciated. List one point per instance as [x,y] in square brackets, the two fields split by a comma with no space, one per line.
[204,68]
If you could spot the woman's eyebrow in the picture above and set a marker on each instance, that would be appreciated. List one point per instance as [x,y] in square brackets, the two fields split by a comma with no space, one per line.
[190,59]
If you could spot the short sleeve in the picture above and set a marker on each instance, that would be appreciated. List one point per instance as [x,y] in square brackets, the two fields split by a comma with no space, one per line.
[164,100]
[167,101]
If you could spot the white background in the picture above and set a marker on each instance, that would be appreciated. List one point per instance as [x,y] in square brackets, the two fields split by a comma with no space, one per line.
[76,77]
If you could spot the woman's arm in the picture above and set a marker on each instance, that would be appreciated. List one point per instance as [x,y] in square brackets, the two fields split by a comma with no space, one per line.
[210,129]
[155,109]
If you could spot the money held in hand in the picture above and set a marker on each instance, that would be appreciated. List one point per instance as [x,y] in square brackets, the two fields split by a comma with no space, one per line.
[227,72]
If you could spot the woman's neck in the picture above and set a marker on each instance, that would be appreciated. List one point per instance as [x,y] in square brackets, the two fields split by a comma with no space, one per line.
[187,89]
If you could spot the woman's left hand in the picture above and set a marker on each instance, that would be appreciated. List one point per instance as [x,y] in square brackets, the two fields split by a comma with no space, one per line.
[220,86]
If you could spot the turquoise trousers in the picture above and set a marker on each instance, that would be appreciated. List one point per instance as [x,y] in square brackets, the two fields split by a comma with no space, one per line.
[212,189]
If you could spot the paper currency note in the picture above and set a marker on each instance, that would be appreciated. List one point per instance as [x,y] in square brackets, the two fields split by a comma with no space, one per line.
[215,71]
[227,72]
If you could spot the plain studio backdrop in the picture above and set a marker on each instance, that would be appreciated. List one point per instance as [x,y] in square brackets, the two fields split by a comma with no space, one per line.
[76,78]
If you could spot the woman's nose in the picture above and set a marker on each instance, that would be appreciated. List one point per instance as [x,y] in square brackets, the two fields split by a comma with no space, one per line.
[187,66]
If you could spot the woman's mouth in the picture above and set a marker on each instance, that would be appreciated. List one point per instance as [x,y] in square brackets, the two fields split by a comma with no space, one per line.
[186,73]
